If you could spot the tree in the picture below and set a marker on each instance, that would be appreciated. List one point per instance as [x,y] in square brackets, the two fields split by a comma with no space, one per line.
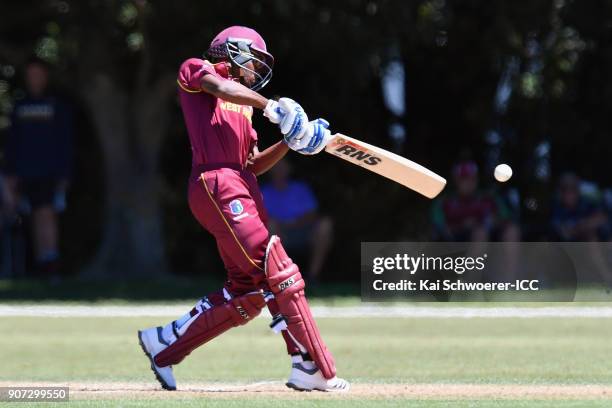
[129,109]
[121,57]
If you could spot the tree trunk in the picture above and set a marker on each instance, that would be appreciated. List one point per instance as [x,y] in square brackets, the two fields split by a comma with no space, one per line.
[130,127]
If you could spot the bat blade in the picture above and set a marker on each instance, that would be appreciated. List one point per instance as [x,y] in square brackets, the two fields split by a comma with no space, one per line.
[387,164]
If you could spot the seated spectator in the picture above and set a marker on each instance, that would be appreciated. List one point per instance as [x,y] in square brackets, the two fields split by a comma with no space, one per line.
[468,214]
[293,215]
[575,216]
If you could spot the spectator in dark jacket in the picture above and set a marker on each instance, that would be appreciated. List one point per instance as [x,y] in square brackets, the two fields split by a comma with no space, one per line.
[39,161]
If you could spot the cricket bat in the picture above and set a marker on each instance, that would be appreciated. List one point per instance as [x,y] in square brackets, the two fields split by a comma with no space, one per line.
[387,164]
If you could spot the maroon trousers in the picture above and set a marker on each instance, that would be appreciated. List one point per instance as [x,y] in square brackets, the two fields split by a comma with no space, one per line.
[227,202]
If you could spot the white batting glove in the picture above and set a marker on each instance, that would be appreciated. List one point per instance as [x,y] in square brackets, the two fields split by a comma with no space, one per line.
[273,112]
[290,117]
[316,137]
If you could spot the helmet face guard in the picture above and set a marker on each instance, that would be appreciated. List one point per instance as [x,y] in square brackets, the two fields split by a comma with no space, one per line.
[241,51]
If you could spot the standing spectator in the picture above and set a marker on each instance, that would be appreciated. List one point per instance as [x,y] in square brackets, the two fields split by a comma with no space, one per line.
[576,217]
[293,215]
[468,214]
[39,160]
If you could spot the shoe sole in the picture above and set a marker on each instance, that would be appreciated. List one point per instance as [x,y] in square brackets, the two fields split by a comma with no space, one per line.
[296,387]
[159,378]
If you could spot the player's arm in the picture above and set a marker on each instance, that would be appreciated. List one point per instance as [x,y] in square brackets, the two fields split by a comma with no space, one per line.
[300,135]
[260,162]
[233,92]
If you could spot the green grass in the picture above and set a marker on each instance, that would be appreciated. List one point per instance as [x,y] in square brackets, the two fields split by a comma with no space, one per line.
[476,351]
[379,350]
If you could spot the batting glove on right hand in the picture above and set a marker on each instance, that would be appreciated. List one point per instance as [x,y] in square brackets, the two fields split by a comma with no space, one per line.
[316,138]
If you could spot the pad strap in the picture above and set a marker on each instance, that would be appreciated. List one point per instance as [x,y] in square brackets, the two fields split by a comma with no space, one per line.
[208,324]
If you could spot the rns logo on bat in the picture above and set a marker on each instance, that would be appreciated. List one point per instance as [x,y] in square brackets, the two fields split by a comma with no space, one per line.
[356,153]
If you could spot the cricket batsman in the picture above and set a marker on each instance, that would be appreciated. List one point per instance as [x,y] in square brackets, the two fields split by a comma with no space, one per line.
[217,96]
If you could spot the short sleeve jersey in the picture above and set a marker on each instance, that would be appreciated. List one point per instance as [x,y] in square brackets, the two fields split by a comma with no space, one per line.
[219,131]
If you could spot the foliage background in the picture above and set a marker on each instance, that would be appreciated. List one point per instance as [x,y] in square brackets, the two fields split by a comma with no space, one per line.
[116,60]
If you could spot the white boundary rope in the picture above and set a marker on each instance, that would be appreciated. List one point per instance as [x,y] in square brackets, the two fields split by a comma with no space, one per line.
[362,311]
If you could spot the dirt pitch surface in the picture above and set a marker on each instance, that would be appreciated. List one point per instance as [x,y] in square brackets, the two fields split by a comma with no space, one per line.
[131,390]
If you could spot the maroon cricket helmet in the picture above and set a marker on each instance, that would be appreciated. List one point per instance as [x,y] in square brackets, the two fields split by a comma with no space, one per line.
[239,45]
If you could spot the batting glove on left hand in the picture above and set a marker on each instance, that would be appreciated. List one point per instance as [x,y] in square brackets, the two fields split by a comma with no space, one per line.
[290,117]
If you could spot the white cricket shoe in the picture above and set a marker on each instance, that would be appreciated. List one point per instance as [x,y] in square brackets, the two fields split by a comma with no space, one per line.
[152,343]
[305,379]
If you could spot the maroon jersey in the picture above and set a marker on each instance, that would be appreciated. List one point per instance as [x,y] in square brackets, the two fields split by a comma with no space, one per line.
[219,131]
[453,211]
[480,209]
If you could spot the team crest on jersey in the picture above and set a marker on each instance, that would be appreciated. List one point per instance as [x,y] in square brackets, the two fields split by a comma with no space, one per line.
[236,207]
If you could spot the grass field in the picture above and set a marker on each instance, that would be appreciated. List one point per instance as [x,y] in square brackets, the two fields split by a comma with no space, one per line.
[403,362]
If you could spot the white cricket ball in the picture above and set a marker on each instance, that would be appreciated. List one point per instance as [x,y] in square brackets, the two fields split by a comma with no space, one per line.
[503,172]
